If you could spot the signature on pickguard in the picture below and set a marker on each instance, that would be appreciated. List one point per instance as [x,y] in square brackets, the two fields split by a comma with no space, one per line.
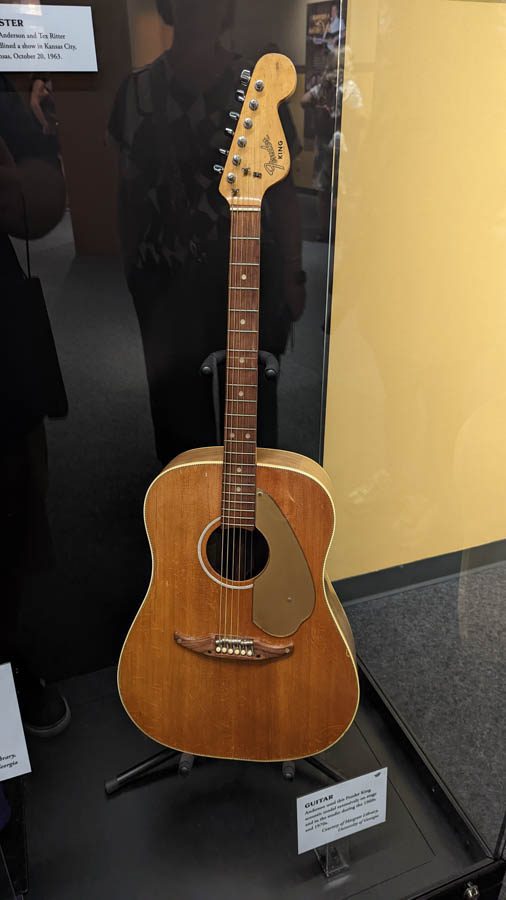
[274,155]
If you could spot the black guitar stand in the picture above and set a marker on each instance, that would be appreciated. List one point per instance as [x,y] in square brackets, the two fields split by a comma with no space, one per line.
[167,761]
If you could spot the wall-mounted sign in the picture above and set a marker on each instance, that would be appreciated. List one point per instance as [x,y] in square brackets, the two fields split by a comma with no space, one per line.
[37,38]
[13,753]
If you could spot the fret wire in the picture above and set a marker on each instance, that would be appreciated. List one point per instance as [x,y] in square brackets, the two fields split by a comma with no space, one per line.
[243,453]
[246,503]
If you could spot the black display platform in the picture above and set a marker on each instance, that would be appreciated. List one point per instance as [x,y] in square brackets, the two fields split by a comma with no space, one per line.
[13,857]
[230,828]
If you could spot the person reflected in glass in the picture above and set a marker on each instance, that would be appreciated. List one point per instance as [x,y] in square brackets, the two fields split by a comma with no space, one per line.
[327,99]
[168,121]
[32,198]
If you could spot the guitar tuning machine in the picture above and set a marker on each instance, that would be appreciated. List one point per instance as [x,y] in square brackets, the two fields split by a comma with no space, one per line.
[245,77]
[218,169]
[240,96]
[229,132]
[223,151]
[234,115]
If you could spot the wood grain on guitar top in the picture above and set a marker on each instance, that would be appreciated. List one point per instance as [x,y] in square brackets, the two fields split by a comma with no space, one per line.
[273,709]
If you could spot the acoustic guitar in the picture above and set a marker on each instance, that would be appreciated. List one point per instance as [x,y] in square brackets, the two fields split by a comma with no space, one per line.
[241,648]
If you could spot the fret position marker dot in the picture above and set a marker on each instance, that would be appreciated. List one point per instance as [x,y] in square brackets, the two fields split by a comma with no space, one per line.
[241,359]
[243,321]
[248,437]
[232,435]
[239,469]
[241,393]
[243,276]
[238,490]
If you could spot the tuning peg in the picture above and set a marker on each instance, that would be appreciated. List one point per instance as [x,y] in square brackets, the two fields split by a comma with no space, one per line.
[245,77]
[234,115]
[240,96]
[229,132]
[218,169]
[223,151]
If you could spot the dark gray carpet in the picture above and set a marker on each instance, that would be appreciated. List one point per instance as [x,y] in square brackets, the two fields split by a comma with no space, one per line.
[439,653]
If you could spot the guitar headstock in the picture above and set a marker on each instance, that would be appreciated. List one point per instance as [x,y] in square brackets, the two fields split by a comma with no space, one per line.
[259,155]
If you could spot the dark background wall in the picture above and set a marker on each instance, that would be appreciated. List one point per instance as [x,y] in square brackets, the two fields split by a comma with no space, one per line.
[84,102]
[102,458]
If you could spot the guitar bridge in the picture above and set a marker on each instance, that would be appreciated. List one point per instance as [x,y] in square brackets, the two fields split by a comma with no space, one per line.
[239,648]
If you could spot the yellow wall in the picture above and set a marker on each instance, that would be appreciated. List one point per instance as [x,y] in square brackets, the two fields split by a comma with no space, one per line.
[416,409]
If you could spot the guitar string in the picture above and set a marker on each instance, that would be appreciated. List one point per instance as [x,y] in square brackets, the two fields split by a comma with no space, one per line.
[243,532]
[235,420]
[240,455]
[225,526]
[223,498]
[231,429]
[238,501]
[235,508]
[257,325]
[245,215]
[227,445]
[233,432]
[249,543]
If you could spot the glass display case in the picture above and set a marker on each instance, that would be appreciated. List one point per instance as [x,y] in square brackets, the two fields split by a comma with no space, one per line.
[382,331]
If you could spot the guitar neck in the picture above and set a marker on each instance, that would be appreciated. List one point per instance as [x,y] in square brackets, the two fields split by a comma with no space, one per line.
[240,430]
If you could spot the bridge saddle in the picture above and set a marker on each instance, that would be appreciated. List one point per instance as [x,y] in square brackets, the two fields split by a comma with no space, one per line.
[238,648]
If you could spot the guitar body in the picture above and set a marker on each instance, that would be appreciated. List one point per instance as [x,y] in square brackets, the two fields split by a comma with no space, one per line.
[288,686]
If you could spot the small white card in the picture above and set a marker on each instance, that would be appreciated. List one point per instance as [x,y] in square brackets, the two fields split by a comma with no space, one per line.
[341,809]
[14,759]
[39,38]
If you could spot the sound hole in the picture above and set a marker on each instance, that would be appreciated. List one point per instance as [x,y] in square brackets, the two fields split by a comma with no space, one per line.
[236,553]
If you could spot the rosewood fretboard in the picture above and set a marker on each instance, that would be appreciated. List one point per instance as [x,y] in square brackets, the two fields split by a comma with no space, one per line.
[240,429]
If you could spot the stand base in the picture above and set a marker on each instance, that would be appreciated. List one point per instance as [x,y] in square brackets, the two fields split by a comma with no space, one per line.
[167,761]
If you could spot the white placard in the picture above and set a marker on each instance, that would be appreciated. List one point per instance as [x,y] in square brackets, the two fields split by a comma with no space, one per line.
[43,38]
[341,809]
[14,759]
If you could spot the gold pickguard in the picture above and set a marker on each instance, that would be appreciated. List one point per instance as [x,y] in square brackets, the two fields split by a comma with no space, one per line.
[284,593]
